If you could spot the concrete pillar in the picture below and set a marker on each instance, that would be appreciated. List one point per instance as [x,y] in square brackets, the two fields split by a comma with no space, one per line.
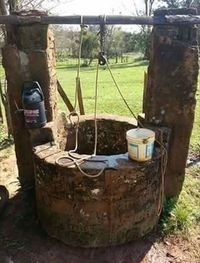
[29,54]
[170,92]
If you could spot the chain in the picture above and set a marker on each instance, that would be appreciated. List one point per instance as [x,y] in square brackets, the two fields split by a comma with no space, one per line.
[102,33]
[101,57]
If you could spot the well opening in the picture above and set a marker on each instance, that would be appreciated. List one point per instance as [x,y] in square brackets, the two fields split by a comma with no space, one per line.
[111,135]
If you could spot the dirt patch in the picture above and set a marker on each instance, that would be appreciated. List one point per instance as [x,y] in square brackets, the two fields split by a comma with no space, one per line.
[23,241]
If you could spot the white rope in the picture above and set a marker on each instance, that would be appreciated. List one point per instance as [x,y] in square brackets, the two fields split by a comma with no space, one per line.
[164,154]
[70,153]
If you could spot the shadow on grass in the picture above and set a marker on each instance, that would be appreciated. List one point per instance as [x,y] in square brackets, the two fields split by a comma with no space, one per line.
[130,65]
[114,66]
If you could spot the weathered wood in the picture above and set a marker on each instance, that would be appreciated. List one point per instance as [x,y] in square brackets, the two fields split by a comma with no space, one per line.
[64,97]
[96,20]
[80,97]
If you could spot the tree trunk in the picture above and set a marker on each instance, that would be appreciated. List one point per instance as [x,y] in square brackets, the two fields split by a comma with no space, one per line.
[116,58]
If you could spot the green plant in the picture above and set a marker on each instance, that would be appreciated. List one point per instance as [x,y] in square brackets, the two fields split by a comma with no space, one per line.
[180,214]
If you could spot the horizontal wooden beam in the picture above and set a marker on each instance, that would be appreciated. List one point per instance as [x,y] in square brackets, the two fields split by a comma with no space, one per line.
[96,20]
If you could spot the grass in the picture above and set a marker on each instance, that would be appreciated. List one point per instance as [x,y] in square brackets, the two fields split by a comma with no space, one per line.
[130,77]
[182,215]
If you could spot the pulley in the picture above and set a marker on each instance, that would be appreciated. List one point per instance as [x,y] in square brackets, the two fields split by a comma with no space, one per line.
[101,58]
[102,55]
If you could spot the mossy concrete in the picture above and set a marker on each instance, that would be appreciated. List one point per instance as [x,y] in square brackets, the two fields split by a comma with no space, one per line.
[121,205]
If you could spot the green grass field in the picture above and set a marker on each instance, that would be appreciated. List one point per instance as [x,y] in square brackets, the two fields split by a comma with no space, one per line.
[130,77]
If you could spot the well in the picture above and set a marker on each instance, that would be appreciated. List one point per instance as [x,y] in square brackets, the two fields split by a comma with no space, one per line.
[119,206]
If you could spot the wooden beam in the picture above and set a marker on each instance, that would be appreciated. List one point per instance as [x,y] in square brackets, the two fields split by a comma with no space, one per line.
[64,97]
[80,97]
[96,20]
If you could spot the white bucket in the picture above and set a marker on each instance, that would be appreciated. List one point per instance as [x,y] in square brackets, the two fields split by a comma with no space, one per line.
[140,144]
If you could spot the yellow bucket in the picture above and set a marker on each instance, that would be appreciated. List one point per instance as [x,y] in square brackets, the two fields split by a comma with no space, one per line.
[140,144]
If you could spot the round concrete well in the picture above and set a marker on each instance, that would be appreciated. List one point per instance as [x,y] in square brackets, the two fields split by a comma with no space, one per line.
[119,206]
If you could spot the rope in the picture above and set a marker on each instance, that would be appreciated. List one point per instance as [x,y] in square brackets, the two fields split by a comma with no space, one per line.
[96,136]
[95,110]
[119,90]
[164,160]
[71,157]
[164,155]
[102,33]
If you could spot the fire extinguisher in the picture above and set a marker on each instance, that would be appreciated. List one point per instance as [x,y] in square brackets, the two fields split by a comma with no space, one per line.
[33,104]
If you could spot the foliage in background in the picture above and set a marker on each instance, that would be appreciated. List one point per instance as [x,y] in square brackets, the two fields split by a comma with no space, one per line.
[118,43]
[181,3]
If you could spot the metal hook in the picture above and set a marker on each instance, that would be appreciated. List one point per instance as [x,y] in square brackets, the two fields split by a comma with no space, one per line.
[74,114]
[102,58]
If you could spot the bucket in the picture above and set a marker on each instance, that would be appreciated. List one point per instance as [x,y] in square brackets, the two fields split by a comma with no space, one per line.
[140,144]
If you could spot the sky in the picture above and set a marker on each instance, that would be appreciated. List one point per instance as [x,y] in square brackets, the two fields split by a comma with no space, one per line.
[95,7]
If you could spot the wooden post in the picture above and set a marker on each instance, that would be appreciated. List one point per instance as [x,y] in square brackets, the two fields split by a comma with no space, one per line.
[171,88]
[29,54]
[64,97]
[80,97]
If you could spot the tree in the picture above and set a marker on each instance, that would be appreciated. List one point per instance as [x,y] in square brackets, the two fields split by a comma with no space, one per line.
[9,6]
[181,3]
[146,29]
[3,9]
[115,42]
[89,46]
